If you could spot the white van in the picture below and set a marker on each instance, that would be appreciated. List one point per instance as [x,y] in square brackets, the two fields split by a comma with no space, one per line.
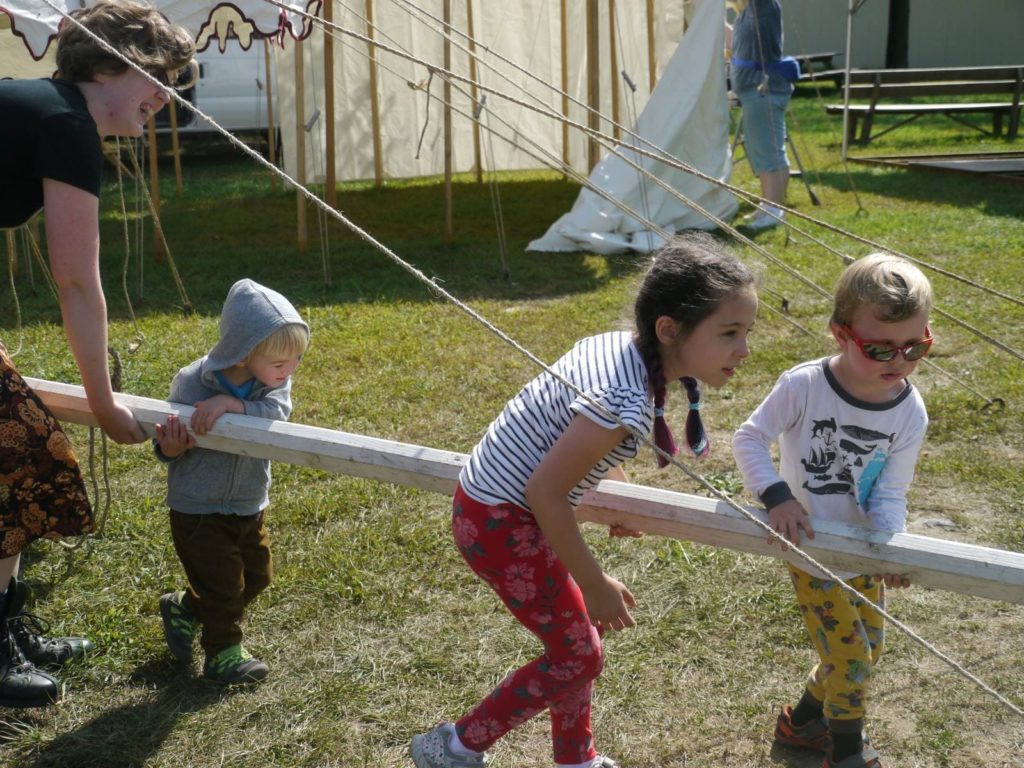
[231,89]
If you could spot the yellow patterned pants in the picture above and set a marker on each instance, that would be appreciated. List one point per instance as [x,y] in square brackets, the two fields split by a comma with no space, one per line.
[849,636]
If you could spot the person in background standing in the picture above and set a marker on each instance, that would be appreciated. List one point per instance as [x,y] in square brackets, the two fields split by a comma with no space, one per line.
[762,80]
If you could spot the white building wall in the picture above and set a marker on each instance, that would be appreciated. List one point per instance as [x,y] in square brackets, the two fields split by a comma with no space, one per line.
[942,32]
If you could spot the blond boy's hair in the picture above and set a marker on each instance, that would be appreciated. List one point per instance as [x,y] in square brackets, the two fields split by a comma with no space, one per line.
[892,286]
[287,341]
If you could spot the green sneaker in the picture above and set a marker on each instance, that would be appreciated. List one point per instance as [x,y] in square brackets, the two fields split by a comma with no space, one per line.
[234,665]
[180,626]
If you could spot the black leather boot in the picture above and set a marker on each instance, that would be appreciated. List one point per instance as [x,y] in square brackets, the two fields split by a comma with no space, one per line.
[21,684]
[29,632]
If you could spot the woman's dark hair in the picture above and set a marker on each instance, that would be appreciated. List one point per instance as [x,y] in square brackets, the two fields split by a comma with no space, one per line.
[139,32]
[690,277]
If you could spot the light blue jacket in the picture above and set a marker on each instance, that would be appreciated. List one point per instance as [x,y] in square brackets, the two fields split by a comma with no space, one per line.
[202,481]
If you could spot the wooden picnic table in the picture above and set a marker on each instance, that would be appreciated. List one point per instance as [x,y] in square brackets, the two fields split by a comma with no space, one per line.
[898,91]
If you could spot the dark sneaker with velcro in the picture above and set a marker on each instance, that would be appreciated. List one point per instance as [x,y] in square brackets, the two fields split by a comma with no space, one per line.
[866,758]
[180,626]
[812,735]
[234,665]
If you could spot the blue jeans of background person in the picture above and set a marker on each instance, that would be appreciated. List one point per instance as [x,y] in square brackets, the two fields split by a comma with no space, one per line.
[764,129]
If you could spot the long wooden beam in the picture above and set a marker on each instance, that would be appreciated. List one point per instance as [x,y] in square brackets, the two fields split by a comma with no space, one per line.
[963,568]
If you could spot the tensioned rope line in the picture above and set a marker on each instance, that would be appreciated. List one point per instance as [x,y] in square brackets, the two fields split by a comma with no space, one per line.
[637,137]
[438,290]
[547,157]
[632,109]
[139,335]
[609,144]
[661,154]
[726,226]
[320,164]
[11,263]
[836,138]
[178,282]
[480,113]
[614,148]
[44,267]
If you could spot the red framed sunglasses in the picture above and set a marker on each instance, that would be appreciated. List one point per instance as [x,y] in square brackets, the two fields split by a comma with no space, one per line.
[883,351]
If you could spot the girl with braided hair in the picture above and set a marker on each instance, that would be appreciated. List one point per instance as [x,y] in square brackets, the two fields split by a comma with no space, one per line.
[514,519]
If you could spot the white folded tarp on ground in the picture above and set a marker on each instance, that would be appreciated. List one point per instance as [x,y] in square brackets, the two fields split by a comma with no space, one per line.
[688,117]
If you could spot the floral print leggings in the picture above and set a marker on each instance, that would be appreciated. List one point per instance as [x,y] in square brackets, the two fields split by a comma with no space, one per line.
[505,547]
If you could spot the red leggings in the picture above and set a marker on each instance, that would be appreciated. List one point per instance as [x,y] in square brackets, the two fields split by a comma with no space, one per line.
[505,547]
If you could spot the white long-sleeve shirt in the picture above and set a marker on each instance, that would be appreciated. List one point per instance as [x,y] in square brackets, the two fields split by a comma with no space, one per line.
[845,460]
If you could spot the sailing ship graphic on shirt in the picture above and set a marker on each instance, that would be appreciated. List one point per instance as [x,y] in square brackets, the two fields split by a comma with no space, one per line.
[845,459]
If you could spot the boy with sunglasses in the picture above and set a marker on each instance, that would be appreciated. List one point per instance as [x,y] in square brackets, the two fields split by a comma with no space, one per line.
[849,428]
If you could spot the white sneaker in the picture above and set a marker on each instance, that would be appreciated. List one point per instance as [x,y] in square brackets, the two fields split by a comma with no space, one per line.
[600,761]
[763,220]
[433,750]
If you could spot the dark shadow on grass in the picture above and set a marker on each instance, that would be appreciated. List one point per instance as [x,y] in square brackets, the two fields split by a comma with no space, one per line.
[129,735]
[994,197]
[794,758]
[257,238]
[230,227]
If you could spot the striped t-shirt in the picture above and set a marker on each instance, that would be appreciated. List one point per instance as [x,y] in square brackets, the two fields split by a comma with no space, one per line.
[610,370]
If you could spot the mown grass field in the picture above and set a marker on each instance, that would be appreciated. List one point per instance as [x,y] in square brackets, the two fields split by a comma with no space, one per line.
[374,629]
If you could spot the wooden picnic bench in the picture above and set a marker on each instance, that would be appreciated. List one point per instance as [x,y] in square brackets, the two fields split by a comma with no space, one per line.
[815,66]
[887,90]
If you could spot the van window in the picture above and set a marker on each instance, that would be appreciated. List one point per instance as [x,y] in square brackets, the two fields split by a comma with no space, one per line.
[231,89]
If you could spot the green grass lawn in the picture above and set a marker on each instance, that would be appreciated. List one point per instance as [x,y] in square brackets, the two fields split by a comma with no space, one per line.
[374,628]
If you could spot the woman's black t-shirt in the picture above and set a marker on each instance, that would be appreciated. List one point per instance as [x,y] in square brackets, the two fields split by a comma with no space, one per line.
[46,132]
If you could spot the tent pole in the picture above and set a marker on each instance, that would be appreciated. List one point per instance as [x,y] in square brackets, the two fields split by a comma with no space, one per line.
[12,252]
[477,163]
[330,182]
[652,57]
[565,84]
[593,83]
[179,188]
[846,85]
[300,149]
[448,227]
[613,66]
[271,130]
[378,150]
[154,190]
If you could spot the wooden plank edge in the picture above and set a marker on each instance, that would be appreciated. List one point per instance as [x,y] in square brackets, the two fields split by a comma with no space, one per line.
[937,563]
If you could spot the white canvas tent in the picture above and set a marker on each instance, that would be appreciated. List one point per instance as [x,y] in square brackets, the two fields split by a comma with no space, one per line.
[687,116]
[389,114]
[529,33]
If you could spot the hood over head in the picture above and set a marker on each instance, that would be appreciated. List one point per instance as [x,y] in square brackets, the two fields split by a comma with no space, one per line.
[251,313]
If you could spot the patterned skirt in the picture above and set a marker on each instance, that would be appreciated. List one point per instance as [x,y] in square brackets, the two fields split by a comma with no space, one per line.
[42,495]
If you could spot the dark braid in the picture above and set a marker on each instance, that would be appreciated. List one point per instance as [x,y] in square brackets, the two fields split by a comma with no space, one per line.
[689,278]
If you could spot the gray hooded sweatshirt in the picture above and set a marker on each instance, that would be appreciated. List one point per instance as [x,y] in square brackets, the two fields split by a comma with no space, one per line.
[202,481]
